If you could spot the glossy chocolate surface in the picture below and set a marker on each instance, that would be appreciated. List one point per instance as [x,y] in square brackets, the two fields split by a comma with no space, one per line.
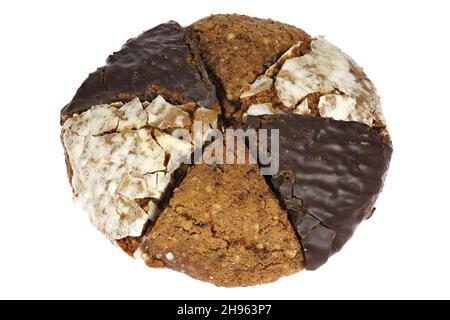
[162,60]
[331,173]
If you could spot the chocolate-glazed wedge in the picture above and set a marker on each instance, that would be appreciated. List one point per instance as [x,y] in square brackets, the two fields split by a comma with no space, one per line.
[162,60]
[330,174]
[122,159]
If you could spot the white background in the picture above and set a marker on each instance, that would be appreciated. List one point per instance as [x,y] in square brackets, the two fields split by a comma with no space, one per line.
[48,249]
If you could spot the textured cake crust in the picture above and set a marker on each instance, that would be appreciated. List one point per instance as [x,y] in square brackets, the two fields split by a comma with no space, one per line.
[224,225]
[237,49]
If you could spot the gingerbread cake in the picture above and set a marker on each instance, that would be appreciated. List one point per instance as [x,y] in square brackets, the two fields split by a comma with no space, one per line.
[305,149]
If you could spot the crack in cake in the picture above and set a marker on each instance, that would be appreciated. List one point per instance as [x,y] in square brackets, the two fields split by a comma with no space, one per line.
[139,182]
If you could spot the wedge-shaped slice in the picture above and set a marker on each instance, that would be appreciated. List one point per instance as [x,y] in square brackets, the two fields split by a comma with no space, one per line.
[330,174]
[122,167]
[224,225]
[161,61]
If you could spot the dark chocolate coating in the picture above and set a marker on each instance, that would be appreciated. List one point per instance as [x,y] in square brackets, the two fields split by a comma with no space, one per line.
[162,59]
[330,175]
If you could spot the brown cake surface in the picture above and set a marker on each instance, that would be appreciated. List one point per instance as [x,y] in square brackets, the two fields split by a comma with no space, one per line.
[237,49]
[223,225]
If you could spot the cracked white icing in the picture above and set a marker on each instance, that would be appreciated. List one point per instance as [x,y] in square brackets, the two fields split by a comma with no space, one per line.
[80,123]
[260,109]
[346,93]
[291,52]
[326,69]
[262,83]
[176,148]
[207,119]
[132,115]
[164,115]
[103,118]
[118,157]
[302,108]
[338,107]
